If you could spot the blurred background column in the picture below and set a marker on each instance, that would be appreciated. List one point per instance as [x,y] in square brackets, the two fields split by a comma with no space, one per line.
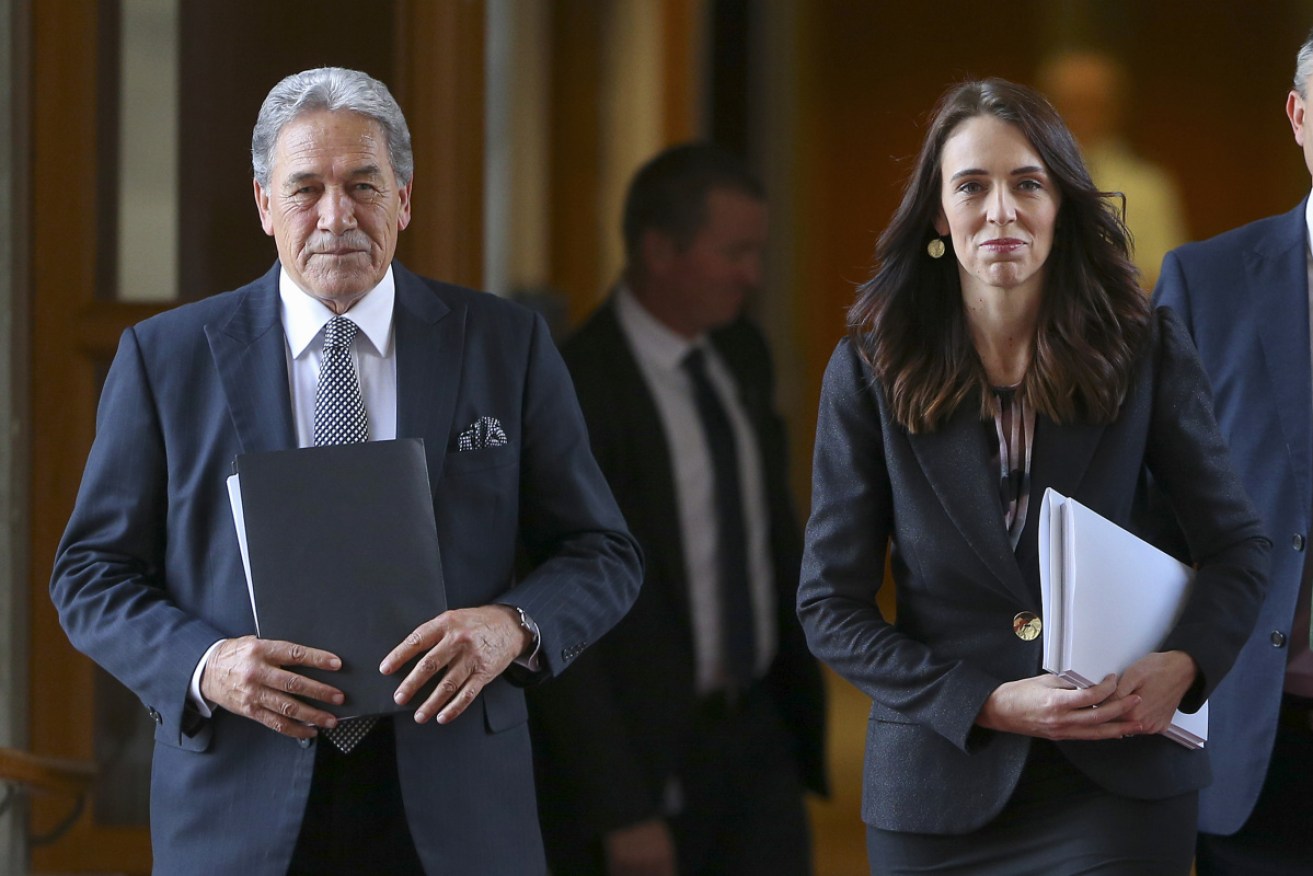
[13,422]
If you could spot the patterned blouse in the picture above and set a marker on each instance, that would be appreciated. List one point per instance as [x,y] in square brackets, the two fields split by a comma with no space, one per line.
[1014,428]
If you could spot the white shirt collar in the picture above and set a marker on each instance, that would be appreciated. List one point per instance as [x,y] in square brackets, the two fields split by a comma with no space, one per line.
[1308,221]
[305,316]
[651,338]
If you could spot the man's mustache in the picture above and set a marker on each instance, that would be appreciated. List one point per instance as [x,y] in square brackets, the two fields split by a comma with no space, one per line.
[337,244]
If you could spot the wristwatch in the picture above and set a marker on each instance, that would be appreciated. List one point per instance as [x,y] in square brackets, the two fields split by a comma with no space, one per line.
[527,624]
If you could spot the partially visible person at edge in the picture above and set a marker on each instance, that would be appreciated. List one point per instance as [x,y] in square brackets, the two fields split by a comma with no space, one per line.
[1003,347]
[251,775]
[1244,298]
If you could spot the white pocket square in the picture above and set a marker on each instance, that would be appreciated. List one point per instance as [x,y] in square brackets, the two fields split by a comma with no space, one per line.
[483,432]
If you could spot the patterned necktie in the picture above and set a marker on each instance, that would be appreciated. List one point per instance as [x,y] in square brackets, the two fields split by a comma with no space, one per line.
[736,618]
[340,418]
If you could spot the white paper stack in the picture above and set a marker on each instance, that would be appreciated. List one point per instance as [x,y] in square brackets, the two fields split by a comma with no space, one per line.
[1109,598]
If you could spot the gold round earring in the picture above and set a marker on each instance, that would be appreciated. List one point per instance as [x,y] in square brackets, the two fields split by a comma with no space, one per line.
[936,248]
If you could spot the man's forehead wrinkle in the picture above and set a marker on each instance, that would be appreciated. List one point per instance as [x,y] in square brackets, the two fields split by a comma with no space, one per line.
[370,170]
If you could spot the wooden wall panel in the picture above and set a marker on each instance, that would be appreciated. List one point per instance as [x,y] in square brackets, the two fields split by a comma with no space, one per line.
[575,154]
[681,101]
[439,83]
[593,130]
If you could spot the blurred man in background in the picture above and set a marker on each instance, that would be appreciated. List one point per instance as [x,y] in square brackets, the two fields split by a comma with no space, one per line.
[685,739]
[1089,89]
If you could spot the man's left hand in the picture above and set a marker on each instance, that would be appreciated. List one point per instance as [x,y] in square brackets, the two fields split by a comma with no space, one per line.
[473,645]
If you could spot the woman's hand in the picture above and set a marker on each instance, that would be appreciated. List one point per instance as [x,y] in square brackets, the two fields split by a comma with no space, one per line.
[1048,707]
[1159,680]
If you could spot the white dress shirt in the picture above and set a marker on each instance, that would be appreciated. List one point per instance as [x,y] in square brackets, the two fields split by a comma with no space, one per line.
[373,352]
[660,354]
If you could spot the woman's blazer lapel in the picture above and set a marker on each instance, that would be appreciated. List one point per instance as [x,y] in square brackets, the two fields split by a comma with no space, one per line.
[955,460]
[1060,457]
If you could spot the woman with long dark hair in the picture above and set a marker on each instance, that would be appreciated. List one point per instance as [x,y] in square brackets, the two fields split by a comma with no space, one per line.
[1002,347]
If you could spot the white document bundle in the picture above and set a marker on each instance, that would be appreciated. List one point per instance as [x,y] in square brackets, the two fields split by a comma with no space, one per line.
[1109,598]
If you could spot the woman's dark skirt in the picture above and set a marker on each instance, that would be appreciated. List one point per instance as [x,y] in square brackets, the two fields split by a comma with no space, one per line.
[1058,823]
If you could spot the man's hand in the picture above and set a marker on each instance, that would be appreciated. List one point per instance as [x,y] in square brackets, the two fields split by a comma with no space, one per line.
[1160,680]
[473,645]
[643,849]
[246,677]
[1047,707]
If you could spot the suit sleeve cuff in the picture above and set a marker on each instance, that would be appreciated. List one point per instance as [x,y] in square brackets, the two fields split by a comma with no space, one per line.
[203,706]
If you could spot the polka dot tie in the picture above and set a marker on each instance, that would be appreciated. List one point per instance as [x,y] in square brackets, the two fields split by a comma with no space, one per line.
[340,418]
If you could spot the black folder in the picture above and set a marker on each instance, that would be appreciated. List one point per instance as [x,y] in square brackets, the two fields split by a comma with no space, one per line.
[342,553]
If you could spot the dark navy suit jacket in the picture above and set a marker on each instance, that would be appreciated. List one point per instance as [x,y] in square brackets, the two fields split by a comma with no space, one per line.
[149,574]
[1243,296]
[933,497]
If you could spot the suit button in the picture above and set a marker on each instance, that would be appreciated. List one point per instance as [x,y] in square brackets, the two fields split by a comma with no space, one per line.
[1026,626]
[155,716]
[1297,542]
[304,743]
[1278,639]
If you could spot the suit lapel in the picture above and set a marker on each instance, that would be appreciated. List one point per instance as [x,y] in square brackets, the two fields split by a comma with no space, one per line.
[430,341]
[647,451]
[1277,274]
[249,351]
[956,462]
[1060,457]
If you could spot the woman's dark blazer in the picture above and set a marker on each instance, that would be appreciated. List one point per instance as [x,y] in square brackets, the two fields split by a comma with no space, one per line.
[933,499]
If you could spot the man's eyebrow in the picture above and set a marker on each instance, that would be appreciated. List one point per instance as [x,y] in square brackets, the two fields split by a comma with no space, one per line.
[298,178]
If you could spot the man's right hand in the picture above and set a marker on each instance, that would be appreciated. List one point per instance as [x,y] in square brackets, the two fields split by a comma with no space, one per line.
[247,677]
[643,849]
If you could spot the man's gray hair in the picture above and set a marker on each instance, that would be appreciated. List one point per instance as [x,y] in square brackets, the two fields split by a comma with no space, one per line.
[334,89]
[1304,66]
